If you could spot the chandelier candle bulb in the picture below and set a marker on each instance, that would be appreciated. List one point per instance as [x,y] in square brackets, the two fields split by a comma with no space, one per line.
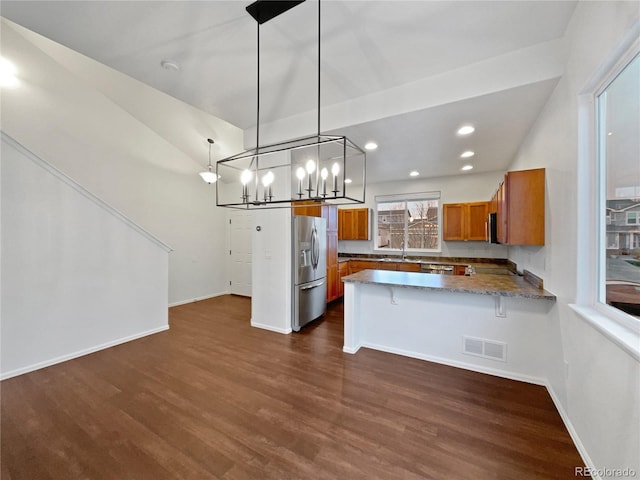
[300,175]
[267,180]
[245,178]
[311,167]
[324,174]
[335,170]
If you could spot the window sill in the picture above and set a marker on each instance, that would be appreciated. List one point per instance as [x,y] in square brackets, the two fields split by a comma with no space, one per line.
[622,336]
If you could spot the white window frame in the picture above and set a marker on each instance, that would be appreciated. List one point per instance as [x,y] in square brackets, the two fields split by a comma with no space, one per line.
[620,327]
[408,197]
[636,216]
[617,243]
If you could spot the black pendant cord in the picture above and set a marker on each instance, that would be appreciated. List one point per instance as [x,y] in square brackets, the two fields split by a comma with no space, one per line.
[257,115]
[258,94]
[318,146]
[319,32]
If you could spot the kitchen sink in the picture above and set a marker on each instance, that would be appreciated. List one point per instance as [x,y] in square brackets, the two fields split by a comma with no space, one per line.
[398,260]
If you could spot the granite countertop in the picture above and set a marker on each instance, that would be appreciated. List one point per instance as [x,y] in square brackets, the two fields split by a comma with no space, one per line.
[485,284]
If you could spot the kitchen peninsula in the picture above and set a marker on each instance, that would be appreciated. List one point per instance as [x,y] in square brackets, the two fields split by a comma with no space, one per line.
[495,324]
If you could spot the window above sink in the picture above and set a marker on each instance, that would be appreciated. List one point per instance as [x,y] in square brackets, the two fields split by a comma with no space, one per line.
[408,223]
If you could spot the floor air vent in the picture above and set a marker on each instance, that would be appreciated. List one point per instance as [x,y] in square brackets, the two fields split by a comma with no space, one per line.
[481,347]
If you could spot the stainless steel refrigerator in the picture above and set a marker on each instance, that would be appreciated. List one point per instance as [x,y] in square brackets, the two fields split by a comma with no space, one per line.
[309,250]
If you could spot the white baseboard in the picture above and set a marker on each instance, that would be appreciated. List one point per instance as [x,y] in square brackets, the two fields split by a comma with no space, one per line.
[573,434]
[197,299]
[453,363]
[346,349]
[271,328]
[80,353]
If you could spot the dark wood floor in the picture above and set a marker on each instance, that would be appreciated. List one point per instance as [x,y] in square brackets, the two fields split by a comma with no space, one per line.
[215,398]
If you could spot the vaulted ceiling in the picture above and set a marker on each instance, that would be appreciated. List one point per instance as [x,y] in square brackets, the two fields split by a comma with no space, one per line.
[405,74]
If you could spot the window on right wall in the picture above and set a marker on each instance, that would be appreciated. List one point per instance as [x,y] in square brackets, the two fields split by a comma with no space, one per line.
[618,133]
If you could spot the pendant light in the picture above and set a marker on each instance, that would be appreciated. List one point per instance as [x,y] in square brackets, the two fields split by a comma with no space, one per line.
[279,174]
[208,175]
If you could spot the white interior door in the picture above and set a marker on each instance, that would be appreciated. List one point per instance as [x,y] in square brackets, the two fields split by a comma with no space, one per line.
[240,251]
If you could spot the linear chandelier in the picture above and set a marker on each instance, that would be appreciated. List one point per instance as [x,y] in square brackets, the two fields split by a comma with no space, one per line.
[321,168]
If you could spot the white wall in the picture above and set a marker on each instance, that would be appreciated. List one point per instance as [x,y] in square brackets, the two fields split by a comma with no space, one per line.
[601,392]
[132,146]
[475,187]
[76,276]
[271,270]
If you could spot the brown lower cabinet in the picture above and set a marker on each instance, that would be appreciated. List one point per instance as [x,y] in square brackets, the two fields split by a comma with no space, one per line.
[356,266]
[333,283]
[359,265]
[408,267]
[343,271]
[459,269]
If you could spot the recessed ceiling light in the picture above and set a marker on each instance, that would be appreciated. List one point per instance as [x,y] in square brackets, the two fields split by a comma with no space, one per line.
[347,180]
[169,65]
[610,133]
[467,154]
[467,167]
[466,130]
[371,146]
[414,173]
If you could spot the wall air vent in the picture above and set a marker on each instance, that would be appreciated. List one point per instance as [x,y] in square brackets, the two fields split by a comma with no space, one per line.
[484,348]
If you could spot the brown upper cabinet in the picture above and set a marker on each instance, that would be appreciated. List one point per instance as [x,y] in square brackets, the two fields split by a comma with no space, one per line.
[353,224]
[520,205]
[465,221]
[308,208]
